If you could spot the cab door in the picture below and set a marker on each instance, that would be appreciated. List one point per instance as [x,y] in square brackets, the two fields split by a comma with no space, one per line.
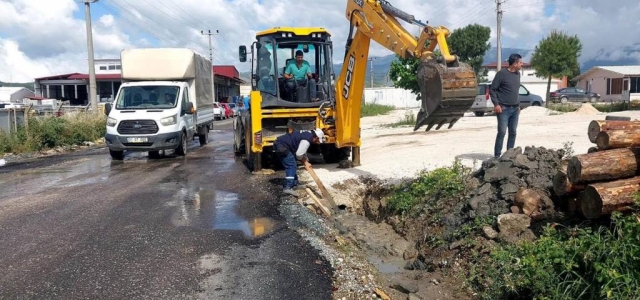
[189,119]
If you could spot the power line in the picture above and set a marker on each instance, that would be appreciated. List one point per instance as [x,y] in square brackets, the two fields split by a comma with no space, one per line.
[115,14]
[463,16]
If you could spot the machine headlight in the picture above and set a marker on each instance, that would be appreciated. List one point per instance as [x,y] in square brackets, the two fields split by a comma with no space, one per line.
[111,122]
[168,121]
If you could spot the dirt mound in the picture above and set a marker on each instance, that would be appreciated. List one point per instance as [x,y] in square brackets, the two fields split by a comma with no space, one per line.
[535,111]
[586,109]
[500,179]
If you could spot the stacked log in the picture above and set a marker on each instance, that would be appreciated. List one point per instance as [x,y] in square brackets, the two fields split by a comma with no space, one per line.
[606,178]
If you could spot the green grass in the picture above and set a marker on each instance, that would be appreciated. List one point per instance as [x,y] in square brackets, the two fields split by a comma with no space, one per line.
[438,183]
[408,120]
[369,110]
[612,107]
[598,262]
[49,132]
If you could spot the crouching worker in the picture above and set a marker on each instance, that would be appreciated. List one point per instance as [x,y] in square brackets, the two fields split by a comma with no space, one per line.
[291,147]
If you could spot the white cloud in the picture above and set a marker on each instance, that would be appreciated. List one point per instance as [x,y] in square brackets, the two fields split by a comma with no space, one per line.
[42,37]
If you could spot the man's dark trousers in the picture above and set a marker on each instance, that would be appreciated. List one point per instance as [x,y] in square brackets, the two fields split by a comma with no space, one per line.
[508,119]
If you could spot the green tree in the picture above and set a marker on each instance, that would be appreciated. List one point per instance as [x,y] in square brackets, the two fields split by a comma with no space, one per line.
[556,56]
[470,43]
[404,72]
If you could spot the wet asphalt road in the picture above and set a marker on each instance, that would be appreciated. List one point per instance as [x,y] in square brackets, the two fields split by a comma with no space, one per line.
[81,226]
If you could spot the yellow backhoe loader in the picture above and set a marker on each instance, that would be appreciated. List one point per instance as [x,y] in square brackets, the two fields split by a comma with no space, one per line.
[447,86]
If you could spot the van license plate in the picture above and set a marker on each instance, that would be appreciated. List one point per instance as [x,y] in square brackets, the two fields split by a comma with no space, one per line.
[137,140]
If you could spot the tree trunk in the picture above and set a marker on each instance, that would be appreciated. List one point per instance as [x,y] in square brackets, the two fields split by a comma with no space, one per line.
[548,91]
[596,126]
[604,165]
[563,187]
[606,197]
[613,139]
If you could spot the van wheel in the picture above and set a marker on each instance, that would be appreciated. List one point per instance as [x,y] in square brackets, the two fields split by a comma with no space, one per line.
[535,104]
[204,139]
[182,148]
[154,154]
[479,113]
[116,155]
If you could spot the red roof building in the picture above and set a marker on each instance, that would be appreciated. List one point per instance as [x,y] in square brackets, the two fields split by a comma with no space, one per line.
[74,87]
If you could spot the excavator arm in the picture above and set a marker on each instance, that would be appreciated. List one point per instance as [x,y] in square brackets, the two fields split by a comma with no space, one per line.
[447,86]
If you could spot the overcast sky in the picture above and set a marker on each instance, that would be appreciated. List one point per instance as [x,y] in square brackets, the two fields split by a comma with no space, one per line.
[47,37]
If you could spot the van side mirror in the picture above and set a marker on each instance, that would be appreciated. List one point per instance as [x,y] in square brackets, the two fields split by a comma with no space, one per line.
[242,51]
[190,109]
[107,108]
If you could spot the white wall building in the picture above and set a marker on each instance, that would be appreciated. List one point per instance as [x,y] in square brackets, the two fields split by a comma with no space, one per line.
[396,97]
[14,94]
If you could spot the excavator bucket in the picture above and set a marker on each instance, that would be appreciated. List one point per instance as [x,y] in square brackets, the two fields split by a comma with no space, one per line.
[447,90]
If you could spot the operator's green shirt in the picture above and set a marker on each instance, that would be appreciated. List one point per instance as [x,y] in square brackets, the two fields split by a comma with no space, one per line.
[298,73]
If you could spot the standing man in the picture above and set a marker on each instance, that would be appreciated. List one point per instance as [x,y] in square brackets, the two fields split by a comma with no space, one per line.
[299,73]
[504,95]
[292,146]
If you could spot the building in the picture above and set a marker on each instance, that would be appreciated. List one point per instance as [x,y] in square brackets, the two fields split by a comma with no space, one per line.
[529,79]
[613,83]
[74,87]
[14,94]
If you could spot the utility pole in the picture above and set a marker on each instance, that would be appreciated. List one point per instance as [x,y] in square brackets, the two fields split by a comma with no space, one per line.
[93,93]
[499,19]
[371,70]
[213,76]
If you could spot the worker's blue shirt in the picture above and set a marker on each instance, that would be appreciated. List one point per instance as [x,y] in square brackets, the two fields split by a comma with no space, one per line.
[298,73]
[292,140]
[246,103]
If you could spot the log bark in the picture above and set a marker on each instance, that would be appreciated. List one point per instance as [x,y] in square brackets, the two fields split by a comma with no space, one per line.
[563,187]
[596,126]
[606,197]
[604,165]
[614,139]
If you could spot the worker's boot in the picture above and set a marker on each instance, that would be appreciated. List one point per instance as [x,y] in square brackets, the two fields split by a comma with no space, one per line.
[290,191]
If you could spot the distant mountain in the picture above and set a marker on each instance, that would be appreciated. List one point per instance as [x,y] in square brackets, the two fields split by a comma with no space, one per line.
[28,85]
[382,64]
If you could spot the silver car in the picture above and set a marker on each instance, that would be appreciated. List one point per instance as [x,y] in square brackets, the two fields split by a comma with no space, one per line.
[483,104]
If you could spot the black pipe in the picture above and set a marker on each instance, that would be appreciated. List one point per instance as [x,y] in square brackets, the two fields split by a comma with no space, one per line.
[389,9]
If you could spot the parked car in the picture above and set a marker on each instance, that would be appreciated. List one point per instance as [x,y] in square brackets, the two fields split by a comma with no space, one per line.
[573,94]
[483,104]
[235,108]
[227,110]
[217,111]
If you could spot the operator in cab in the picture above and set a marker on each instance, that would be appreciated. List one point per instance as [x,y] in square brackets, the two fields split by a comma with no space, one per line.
[299,73]
[291,147]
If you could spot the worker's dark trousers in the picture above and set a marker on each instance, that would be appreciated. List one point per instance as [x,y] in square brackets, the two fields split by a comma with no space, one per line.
[290,166]
[508,119]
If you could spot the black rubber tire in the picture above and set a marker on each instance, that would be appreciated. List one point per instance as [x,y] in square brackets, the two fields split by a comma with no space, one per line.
[478,113]
[564,100]
[593,100]
[116,155]
[204,139]
[154,154]
[332,155]
[617,118]
[182,148]
[536,104]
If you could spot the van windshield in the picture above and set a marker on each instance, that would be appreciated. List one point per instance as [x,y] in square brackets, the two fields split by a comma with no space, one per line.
[148,96]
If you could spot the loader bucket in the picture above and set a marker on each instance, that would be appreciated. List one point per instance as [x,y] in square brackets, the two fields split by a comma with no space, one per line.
[447,90]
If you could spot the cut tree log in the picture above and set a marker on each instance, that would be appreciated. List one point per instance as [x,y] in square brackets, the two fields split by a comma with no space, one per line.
[563,187]
[596,126]
[614,139]
[603,165]
[606,197]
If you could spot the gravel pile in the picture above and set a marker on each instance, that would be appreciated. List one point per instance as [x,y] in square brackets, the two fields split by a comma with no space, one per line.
[500,179]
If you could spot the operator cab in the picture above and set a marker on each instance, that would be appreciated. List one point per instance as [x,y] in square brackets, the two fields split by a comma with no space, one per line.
[274,50]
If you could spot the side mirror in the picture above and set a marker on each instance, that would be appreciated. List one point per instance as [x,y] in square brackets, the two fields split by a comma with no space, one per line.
[305,48]
[242,50]
[107,108]
[190,109]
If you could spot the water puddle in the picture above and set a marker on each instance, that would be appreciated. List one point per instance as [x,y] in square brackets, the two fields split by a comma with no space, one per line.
[226,218]
[387,266]
[218,210]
